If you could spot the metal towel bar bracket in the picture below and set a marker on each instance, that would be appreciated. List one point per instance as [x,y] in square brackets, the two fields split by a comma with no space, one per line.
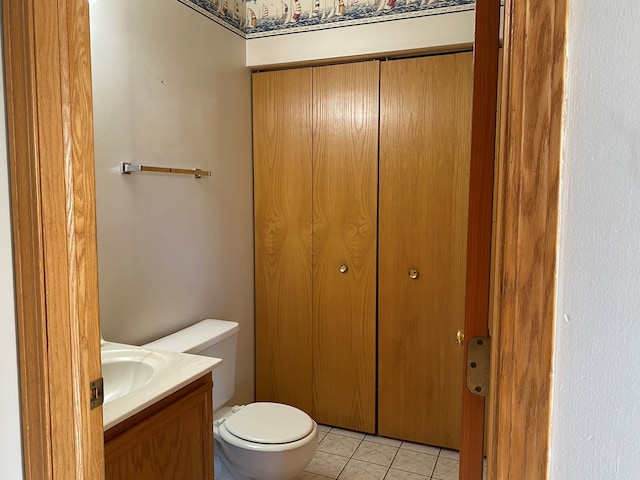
[127,168]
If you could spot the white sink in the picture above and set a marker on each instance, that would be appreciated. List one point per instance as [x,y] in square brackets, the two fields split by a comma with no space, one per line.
[136,377]
[127,369]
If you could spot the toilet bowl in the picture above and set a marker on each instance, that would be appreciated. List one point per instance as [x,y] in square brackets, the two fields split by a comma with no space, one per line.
[257,441]
[266,441]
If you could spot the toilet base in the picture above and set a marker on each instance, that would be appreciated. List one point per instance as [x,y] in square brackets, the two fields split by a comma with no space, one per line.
[221,470]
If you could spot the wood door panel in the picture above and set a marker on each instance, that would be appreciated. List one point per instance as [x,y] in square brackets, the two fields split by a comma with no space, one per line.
[424,175]
[344,232]
[282,122]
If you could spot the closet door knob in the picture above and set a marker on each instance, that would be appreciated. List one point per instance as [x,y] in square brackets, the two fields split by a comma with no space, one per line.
[343,268]
[413,274]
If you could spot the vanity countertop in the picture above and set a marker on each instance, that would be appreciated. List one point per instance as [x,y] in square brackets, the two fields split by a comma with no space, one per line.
[137,377]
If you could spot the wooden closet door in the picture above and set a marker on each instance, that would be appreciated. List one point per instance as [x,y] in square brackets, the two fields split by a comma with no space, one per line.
[282,120]
[425,126]
[345,155]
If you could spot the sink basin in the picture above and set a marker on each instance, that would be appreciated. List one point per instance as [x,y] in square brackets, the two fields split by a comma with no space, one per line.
[127,369]
[122,377]
[135,377]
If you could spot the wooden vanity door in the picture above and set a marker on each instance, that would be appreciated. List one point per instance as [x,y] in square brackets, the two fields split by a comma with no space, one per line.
[171,439]
[345,155]
[282,120]
[425,124]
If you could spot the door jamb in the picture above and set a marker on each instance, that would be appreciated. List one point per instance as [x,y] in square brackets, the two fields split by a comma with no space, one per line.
[530,137]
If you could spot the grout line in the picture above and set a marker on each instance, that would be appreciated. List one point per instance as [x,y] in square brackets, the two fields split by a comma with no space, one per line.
[361,440]
[350,457]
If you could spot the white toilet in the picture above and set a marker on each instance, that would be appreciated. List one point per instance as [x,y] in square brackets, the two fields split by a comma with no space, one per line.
[260,441]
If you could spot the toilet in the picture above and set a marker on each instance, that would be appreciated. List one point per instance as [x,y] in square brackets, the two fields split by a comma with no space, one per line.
[261,440]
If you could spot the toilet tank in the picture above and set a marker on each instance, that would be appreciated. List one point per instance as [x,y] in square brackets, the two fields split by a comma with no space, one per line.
[209,338]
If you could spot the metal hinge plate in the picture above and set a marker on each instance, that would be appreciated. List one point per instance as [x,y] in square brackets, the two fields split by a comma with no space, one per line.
[97,393]
[478,358]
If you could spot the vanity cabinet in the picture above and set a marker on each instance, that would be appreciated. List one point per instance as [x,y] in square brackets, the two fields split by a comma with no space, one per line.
[171,439]
[361,192]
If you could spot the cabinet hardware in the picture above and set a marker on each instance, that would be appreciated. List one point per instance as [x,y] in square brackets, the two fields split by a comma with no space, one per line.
[413,274]
[343,268]
[478,358]
[460,337]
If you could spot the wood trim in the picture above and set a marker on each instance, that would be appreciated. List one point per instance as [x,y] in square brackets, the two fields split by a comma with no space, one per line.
[27,237]
[480,222]
[530,149]
[52,173]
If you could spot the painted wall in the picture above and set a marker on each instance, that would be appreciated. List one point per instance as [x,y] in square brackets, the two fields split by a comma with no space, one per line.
[171,89]
[10,438]
[596,392]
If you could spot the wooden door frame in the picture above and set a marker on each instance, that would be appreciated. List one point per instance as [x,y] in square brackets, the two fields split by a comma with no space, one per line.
[51,164]
[529,146]
[48,88]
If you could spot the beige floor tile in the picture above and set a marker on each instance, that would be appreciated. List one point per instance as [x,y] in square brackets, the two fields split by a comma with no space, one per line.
[311,476]
[417,447]
[326,464]
[453,454]
[375,453]
[446,469]
[348,455]
[358,470]
[323,428]
[347,433]
[402,475]
[338,444]
[383,440]
[414,462]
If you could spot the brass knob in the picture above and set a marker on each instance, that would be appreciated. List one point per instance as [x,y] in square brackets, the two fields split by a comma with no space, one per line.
[413,274]
[460,337]
[343,268]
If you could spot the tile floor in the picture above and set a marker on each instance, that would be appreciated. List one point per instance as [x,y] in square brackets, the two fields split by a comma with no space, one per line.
[347,455]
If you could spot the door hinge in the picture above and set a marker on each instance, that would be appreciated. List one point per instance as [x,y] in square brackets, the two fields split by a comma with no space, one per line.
[97,393]
[478,362]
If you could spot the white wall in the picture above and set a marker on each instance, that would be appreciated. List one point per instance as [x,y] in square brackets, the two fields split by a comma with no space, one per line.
[383,37]
[596,391]
[171,89]
[10,439]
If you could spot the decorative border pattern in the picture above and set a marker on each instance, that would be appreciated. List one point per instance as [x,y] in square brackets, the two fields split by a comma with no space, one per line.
[264,18]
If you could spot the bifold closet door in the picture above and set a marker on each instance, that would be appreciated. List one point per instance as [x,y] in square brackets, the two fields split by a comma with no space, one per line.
[282,132]
[425,126]
[345,156]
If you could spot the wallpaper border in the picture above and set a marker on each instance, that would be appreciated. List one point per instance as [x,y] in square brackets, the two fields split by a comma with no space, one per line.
[242,21]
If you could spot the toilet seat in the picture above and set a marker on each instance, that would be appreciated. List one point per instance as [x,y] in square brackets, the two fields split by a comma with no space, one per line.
[269,423]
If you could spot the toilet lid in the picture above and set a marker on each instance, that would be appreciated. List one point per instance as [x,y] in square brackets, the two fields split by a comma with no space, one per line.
[270,423]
